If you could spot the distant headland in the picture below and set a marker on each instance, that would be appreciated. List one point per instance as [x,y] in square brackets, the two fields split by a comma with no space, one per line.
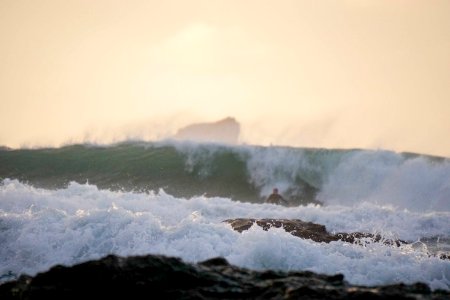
[223,131]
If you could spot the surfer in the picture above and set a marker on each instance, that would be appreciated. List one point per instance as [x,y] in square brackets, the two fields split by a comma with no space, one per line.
[276,198]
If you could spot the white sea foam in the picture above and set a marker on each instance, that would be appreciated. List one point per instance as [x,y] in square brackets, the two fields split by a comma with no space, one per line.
[387,178]
[40,228]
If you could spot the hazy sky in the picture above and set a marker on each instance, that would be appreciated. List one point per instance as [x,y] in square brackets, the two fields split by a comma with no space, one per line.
[355,73]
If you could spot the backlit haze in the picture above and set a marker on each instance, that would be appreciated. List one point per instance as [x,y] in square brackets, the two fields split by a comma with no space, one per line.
[335,74]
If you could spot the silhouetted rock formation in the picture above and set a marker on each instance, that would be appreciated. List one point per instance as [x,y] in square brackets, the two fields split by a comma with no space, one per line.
[309,230]
[160,277]
[223,131]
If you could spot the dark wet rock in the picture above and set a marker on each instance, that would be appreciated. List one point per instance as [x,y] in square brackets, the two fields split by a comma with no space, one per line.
[309,230]
[160,277]
[444,256]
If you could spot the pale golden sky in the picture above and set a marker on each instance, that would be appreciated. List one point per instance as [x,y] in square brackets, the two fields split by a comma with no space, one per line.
[350,73]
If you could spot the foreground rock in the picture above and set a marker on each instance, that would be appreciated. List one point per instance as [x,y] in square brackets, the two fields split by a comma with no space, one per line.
[309,230]
[160,277]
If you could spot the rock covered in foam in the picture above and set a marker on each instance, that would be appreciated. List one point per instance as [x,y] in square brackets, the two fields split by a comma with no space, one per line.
[309,230]
[160,277]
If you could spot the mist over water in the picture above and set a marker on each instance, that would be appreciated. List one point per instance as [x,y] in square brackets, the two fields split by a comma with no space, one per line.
[326,132]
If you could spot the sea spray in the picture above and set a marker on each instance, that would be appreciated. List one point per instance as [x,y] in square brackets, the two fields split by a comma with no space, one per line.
[416,183]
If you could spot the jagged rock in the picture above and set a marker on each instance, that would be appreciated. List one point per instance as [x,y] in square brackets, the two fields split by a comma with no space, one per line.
[160,277]
[309,230]
[223,131]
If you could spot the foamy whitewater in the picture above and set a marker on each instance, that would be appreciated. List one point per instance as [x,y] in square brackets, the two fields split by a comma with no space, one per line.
[77,203]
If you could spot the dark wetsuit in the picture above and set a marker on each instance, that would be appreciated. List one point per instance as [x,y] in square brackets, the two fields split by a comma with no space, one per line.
[276,199]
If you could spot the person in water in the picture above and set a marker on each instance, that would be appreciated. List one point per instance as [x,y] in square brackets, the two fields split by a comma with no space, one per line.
[276,198]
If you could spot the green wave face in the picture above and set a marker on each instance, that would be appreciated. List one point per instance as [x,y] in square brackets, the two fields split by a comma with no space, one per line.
[244,173]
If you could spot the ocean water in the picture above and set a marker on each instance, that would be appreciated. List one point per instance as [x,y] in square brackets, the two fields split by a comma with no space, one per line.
[81,202]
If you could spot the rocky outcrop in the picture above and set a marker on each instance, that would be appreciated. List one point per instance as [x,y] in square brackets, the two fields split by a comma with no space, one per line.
[223,131]
[160,277]
[309,230]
